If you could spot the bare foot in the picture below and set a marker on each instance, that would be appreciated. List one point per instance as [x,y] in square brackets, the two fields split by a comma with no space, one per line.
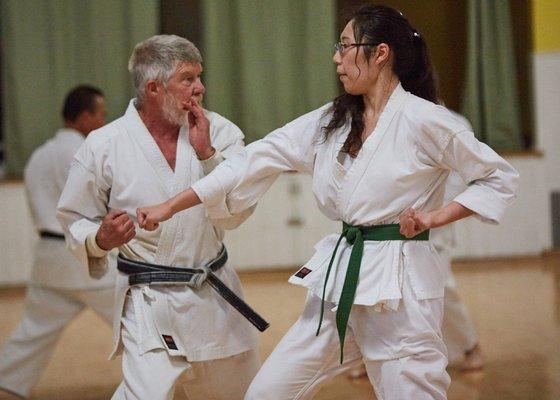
[473,361]
[358,372]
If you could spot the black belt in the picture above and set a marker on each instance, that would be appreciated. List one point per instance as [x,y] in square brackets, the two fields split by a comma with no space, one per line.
[51,235]
[142,273]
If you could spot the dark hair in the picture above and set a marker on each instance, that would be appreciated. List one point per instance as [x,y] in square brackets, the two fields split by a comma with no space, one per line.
[79,99]
[412,65]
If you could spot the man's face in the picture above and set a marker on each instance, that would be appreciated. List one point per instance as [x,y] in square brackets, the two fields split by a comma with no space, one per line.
[99,116]
[92,120]
[184,85]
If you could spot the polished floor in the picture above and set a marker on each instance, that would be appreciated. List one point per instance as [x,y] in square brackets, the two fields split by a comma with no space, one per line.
[515,305]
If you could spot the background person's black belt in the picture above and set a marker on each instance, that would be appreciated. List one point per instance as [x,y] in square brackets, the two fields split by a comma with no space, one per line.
[51,235]
[142,273]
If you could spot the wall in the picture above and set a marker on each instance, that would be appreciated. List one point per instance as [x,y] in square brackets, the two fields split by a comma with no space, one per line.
[546,29]
[286,225]
[546,61]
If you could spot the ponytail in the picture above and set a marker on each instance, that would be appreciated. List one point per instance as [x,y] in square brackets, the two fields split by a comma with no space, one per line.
[421,80]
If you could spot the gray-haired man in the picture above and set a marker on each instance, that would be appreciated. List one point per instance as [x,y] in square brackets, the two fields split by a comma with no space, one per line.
[163,330]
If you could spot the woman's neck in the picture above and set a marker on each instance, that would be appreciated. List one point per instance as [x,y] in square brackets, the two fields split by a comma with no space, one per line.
[376,99]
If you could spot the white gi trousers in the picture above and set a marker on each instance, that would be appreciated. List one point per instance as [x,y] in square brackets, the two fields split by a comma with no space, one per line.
[153,375]
[458,330]
[403,352]
[45,314]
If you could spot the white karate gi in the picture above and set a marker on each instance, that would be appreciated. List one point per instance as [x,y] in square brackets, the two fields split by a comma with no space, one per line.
[58,289]
[458,330]
[402,164]
[121,167]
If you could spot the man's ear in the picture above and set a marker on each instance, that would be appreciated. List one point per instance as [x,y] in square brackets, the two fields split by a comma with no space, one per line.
[151,88]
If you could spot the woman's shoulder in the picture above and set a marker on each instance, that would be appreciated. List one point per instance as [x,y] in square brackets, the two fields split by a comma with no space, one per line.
[428,116]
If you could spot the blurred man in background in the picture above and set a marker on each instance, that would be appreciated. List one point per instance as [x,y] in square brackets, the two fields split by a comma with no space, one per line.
[58,290]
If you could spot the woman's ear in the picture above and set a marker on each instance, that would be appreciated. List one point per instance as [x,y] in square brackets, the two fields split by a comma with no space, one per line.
[382,53]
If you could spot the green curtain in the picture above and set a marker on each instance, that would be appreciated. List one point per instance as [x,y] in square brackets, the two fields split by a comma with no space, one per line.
[269,61]
[49,46]
[491,100]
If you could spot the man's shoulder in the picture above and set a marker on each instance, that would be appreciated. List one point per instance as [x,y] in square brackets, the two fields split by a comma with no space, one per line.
[38,159]
[47,153]
[106,134]
[99,142]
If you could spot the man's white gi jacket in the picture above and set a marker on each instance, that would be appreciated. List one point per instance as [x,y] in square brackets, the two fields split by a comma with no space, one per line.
[121,167]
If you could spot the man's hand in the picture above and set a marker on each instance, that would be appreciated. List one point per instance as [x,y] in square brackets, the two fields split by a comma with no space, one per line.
[149,217]
[413,222]
[199,131]
[116,229]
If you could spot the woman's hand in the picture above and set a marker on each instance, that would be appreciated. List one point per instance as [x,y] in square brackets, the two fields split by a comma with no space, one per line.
[149,217]
[413,222]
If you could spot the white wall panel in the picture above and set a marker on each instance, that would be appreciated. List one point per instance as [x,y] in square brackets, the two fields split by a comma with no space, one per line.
[17,235]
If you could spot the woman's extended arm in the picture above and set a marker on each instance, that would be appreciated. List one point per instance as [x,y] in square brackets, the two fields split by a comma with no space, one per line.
[149,217]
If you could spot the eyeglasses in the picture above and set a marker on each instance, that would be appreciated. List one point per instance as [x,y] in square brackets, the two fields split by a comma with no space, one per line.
[342,47]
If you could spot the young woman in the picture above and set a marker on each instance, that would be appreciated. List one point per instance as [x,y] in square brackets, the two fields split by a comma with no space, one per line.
[379,156]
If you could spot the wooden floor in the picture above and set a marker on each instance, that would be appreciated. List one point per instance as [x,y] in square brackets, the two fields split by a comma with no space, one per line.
[515,306]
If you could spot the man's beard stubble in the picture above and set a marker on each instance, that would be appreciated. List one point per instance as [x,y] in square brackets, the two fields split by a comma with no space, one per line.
[172,112]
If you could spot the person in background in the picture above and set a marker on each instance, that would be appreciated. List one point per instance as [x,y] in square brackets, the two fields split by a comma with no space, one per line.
[58,289]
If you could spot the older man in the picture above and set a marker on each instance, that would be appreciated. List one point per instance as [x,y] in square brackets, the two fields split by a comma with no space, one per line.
[165,330]
[58,290]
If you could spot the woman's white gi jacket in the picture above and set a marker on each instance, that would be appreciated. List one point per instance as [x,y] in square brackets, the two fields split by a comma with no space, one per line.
[403,163]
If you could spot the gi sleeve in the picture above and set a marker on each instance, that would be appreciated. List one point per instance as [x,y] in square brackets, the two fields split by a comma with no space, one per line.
[492,181]
[227,140]
[243,178]
[209,164]
[81,207]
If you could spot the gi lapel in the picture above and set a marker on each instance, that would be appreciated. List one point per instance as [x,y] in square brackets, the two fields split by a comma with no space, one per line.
[140,134]
[369,148]
[180,181]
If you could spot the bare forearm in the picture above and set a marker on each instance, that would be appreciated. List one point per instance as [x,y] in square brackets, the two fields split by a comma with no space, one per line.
[450,213]
[186,199]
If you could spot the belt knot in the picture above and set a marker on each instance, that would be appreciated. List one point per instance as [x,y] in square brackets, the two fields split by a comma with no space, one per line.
[352,233]
[201,277]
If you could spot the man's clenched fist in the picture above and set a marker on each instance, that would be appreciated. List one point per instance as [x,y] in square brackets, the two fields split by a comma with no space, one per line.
[116,229]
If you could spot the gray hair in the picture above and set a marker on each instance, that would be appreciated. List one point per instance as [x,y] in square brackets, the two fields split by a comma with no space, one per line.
[157,58]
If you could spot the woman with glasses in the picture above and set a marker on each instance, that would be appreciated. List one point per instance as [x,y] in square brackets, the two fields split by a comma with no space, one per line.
[379,155]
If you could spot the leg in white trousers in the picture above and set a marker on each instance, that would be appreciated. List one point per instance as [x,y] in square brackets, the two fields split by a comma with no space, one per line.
[458,330]
[302,362]
[46,312]
[154,374]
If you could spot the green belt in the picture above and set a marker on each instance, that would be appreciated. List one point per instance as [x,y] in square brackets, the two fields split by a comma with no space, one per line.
[355,236]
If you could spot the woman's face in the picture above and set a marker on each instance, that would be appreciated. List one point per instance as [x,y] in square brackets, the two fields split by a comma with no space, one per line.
[356,74]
